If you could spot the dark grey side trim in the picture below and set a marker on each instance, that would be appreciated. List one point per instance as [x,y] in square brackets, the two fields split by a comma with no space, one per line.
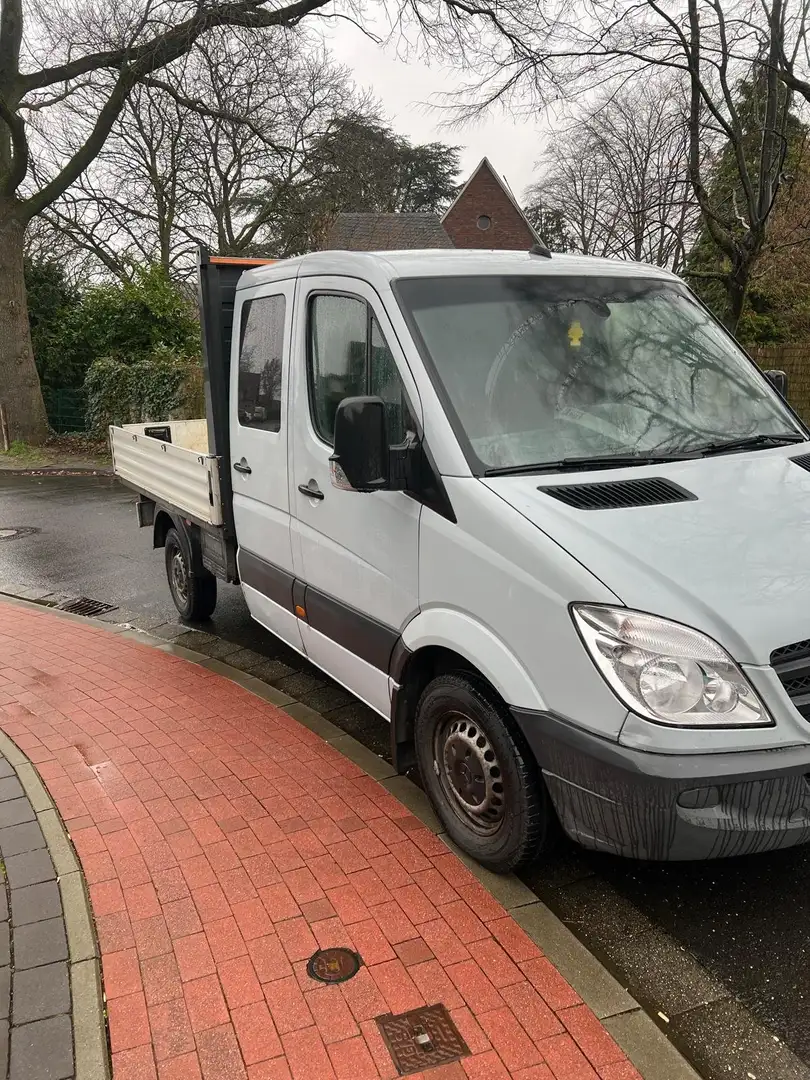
[372,641]
[367,638]
[276,584]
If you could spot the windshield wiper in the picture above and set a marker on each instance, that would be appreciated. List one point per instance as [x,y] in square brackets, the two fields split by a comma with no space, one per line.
[751,442]
[604,461]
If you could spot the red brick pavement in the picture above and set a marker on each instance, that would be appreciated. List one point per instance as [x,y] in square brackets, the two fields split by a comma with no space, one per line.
[223,843]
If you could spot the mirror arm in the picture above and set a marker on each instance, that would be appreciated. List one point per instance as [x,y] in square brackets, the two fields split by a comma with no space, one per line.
[403,465]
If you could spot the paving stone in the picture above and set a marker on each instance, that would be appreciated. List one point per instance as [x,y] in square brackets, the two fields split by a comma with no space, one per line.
[5,993]
[29,869]
[40,943]
[40,992]
[3,903]
[10,788]
[4,1026]
[42,1050]
[5,768]
[35,902]
[20,838]
[15,811]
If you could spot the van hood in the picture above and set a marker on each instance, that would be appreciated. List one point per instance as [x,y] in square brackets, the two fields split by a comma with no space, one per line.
[734,561]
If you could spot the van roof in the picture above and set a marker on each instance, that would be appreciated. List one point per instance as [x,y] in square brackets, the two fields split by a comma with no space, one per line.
[390,265]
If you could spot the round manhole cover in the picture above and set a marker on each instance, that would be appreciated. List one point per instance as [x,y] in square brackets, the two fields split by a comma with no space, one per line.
[333,965]
[8,532]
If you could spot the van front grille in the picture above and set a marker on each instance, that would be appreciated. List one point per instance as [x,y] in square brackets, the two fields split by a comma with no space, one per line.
[792,664]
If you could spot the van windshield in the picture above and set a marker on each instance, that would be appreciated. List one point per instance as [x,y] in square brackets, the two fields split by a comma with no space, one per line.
[535,370]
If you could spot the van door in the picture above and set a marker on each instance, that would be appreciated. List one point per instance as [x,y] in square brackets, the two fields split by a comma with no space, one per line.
[358,553]
[260,378]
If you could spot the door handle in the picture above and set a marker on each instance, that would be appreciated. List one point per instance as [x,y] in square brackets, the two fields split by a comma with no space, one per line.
[311,490]
[242,467]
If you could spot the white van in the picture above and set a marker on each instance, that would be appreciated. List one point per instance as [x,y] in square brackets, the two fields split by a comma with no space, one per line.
[541,513]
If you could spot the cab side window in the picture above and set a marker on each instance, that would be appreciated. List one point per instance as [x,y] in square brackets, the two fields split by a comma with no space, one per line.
[260,363]
[338,341]
[349,357]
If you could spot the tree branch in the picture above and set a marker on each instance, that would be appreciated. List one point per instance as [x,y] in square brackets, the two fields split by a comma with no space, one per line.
[18,165]
[168,46]
[86,153]
[203,109]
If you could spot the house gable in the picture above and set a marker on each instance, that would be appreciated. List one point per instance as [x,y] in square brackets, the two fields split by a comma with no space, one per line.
[485,215]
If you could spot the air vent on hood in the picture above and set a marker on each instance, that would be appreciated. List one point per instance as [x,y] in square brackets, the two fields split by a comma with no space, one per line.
[803,461]
[614,495]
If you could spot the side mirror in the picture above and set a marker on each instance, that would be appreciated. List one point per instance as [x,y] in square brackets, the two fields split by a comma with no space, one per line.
[360,461]
[779,380]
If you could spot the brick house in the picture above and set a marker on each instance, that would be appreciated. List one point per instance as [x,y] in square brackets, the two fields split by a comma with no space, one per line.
[484,214]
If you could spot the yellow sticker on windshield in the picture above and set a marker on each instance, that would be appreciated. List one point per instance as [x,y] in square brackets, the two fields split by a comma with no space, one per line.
[575,333]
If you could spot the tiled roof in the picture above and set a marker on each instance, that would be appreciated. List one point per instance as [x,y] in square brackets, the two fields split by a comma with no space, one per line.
[386,232]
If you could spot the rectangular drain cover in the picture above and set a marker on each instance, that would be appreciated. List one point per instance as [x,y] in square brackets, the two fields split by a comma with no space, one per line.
[84,606]
[422,1038]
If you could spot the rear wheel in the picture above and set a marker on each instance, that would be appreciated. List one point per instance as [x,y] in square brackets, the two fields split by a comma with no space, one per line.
[483,782]
[194,595]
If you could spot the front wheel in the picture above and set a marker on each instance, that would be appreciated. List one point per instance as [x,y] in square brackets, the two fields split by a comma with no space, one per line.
[194,595]
[483,782]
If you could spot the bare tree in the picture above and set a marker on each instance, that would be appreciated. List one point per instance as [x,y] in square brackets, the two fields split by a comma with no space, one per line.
[96,53]
[82,57]
[618,176]
[717,45]
[194,150]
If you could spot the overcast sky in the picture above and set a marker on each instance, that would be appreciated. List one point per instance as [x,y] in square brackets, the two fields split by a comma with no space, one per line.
[512,147]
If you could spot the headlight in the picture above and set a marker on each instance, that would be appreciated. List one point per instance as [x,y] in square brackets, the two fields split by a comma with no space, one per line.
[667,672]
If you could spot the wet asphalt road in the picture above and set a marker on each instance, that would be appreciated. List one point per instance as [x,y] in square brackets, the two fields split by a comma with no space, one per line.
[745,920]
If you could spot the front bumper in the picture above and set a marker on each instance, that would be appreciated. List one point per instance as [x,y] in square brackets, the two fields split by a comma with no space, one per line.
[629,802]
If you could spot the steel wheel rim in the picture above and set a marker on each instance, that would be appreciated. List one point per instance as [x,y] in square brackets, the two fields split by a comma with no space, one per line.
[179,575]
[469,772]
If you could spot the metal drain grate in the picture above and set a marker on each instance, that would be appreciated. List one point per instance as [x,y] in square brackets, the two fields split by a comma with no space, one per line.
[85,606]
[422,1039]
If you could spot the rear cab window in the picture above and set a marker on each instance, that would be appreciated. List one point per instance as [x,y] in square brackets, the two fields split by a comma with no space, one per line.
[260,363]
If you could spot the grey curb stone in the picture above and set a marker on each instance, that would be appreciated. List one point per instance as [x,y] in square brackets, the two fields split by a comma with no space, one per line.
[92,1059]
[645,1043]
[376,767]
[648,1047]
[582,970]
[313,720]
[34,788]
[64,858]
[81,936]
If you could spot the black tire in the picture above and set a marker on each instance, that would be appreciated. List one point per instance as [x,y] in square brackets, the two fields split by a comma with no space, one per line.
[194,595]
[482,780]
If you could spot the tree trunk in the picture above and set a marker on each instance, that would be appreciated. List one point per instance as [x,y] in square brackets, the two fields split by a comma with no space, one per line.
[20,391]
[736,289]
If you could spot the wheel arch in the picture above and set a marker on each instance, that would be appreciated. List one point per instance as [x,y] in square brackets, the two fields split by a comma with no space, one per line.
[163,522]
[435,642]
[188,532]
